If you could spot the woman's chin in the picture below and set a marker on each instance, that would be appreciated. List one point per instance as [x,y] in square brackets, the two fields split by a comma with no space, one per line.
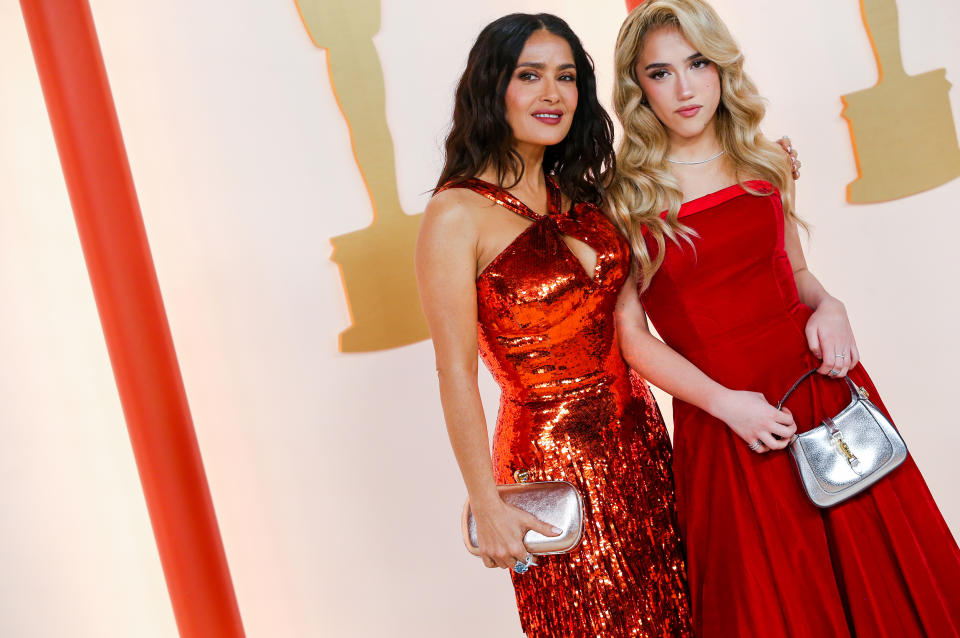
[543,138]
[686,132]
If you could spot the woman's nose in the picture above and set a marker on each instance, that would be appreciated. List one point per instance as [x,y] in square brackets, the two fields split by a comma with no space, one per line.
[550,92]
[684,89]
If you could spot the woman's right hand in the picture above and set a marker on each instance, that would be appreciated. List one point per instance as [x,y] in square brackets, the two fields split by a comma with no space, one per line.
[500,532]
[754,419]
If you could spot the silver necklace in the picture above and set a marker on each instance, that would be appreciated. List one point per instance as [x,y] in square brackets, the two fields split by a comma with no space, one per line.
[709,159]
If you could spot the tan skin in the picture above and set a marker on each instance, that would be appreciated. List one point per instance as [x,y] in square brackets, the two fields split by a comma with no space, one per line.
[461,233]
[675,80]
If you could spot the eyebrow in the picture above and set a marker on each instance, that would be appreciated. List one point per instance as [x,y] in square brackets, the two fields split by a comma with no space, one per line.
[660,65]
[541,65]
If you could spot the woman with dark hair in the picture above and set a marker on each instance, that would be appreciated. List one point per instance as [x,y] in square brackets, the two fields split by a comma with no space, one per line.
[517,260]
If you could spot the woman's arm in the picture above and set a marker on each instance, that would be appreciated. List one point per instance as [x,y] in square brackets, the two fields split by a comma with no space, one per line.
[828,331]
[748,414]
[446,265]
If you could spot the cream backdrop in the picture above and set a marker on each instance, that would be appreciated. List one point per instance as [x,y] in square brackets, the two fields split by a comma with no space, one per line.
[337,495]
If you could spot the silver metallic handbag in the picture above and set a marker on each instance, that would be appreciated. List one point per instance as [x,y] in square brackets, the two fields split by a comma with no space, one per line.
[555,502]
[848,453]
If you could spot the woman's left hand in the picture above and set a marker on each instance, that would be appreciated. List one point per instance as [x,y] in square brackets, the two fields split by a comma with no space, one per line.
[830,338]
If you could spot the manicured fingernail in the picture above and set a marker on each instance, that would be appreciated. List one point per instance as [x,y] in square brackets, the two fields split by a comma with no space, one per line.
[555,530]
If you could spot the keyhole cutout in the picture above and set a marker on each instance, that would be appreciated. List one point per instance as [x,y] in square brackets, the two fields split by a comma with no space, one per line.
[584,253]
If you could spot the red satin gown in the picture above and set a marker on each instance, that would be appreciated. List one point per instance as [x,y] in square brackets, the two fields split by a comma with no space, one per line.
[762,560]
[569,411]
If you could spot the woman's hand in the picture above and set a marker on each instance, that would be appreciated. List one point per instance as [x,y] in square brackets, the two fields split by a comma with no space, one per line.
[787,146]
[828,331]
[500,532]
[753,419]
[830,338]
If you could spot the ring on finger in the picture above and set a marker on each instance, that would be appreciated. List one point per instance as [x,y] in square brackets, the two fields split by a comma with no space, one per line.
[755,446]
[833,373]
[523,565]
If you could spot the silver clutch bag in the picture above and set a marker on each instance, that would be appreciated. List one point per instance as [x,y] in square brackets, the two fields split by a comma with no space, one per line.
[845,455]
[555,502]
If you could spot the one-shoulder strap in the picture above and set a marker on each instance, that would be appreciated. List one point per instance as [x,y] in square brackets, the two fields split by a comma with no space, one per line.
[502,197]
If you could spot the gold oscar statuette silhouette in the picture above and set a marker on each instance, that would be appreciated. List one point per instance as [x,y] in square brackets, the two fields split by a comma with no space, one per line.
[903,132]
[376,262]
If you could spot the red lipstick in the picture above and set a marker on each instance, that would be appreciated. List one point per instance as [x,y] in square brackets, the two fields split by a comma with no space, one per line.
[548,116]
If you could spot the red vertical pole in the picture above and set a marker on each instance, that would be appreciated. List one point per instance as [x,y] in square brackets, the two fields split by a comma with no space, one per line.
[127,294]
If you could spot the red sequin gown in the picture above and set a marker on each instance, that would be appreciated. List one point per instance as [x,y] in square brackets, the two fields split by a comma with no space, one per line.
[569,411]
[762,560]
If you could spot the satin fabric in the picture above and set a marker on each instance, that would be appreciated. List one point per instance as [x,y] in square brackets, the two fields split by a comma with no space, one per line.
[762,560]
[570,411]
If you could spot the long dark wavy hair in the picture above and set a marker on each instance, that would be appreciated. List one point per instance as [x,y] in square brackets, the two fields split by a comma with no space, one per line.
[481,137]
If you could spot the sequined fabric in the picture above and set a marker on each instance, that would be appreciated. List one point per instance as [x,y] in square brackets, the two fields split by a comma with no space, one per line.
[570,410]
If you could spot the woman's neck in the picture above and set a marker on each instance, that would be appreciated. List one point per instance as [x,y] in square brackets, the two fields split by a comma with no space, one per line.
[530,186]
[699,165]
[696,148]
[531,180]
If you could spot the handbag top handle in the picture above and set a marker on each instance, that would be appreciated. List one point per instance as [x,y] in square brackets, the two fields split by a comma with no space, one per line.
[854,393]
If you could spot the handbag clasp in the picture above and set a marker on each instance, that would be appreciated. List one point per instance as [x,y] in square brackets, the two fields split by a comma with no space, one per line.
[845,450]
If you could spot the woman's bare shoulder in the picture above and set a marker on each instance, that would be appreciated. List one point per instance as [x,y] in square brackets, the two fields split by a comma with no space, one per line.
[453,214]
[457,206]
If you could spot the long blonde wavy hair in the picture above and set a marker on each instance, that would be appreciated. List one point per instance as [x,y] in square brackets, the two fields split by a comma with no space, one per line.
[642,187]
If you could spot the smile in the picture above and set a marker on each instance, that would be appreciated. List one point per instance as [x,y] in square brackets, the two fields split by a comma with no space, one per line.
[549,117]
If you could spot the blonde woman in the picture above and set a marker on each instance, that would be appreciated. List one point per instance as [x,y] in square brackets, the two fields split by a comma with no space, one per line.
[708,206]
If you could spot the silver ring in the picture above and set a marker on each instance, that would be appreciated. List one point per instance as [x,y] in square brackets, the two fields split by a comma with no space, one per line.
[756,445]
[840,356]
[833,373]
[523,565]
